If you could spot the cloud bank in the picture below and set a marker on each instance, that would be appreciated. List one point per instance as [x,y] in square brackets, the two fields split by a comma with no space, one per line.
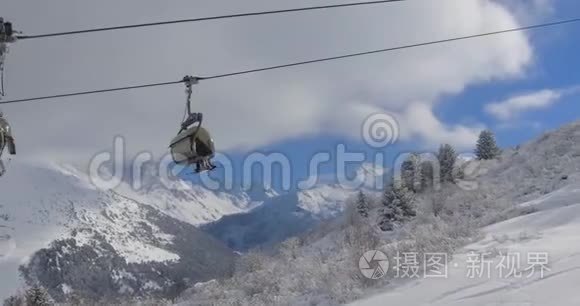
[513,107]
[250,111]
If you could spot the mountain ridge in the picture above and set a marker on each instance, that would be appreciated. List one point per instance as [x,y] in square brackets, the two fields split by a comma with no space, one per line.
[49,208]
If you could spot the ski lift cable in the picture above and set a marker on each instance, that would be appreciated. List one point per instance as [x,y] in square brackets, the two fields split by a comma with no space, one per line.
[282,11]
[519,29]
[93,92]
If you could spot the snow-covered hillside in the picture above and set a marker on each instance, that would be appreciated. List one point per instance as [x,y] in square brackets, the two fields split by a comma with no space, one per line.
[41,203]
[536,168]
[553,230]
[541,178]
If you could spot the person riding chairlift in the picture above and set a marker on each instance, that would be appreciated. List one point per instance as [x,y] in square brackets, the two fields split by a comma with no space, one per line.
[193,144]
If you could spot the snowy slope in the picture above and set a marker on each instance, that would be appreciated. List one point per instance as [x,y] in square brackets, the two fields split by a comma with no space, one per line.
[543,175]
[537,168]
[554,230]
[34,215]
[41,203]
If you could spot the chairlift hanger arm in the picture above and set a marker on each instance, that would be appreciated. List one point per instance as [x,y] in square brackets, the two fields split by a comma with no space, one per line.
[191,118]
[189,82]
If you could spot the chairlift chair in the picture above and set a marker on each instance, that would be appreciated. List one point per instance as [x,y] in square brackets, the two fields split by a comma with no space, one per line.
[193,144]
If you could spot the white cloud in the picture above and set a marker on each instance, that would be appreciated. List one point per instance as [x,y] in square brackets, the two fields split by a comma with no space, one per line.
[419,121]
[527,11]
[516,105]
[249,111]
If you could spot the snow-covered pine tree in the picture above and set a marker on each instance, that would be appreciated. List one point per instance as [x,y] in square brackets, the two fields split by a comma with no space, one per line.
[178,287]
[411,172]
[408,205]
[362,204]
[427,175]
[447,158]
[407,170]
[398,206]
[37,296]
[418,173]
[14,300]
[486,147]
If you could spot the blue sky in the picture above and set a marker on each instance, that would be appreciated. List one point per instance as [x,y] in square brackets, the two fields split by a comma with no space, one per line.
[555,67]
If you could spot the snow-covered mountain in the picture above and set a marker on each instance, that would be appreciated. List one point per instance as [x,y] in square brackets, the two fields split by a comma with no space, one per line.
[70,235]
[294,213]
[279,218]
[190,203]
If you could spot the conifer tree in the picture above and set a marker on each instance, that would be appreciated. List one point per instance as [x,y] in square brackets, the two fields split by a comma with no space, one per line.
[447,158]
[362,204]
[486,147]
[14,300]
[411,173]
[37,296]
[427,175]
[398,206]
